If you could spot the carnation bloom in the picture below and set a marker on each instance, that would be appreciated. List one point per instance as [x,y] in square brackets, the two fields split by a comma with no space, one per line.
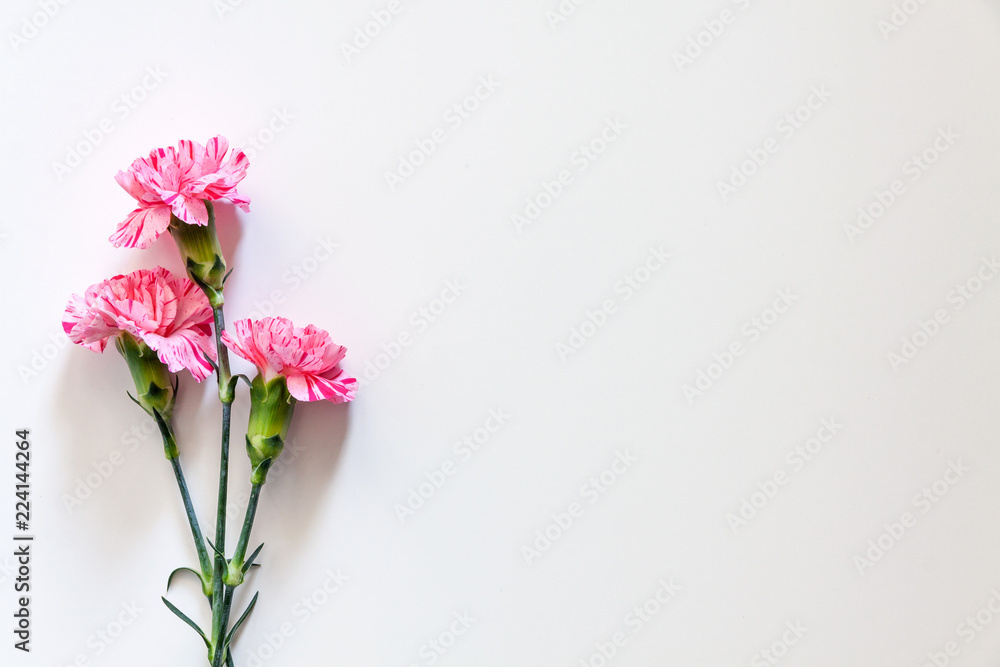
[170,315]
[307,357]
[177,182]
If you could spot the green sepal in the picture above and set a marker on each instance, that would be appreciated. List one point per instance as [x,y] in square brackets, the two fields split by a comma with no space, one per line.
[184,617]
[271,408]
[215,298]
[155,389]
[196,270]
[259,474]
[202,254]
[156,395]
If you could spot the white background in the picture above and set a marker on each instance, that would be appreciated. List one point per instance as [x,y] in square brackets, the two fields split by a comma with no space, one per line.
[328,125]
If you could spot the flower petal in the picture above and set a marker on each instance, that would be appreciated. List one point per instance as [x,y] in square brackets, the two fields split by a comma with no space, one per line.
[184,349]
[178,180]
[141,227]
[338,389]
[189,209]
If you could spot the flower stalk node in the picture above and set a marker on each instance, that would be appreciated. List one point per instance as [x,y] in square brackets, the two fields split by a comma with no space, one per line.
[234,575]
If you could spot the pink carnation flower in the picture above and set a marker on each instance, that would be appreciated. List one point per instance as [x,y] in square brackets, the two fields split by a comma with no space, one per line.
[178,180]
[307,358]
[171,315]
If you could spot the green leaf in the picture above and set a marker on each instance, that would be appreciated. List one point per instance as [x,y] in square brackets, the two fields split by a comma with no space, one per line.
[134,399]
[233,381]
[181,615]
[253,557]
[246,613]
[216,550]
[171,577]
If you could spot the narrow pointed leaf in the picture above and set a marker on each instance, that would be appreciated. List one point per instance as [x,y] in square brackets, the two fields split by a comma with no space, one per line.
[160,422]
[171,577]
[253,557]
[216,550]
[246,613]
[233,381]
[181,615]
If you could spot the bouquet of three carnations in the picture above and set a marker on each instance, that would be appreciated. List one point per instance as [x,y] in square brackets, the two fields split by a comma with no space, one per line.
[163,324]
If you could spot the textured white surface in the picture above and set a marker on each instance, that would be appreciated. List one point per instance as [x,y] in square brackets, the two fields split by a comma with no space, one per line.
[879,98]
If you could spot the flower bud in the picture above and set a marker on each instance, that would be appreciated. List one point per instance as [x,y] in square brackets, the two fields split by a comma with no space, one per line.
[271,409]
[202,254]
[153,384]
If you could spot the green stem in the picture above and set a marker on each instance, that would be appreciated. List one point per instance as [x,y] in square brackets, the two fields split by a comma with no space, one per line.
[226,391]
[226,395]
[199,539]
[219,573]
[170,449]
[235,575]
[236,564]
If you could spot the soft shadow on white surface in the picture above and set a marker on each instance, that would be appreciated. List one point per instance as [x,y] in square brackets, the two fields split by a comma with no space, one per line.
[297,485]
